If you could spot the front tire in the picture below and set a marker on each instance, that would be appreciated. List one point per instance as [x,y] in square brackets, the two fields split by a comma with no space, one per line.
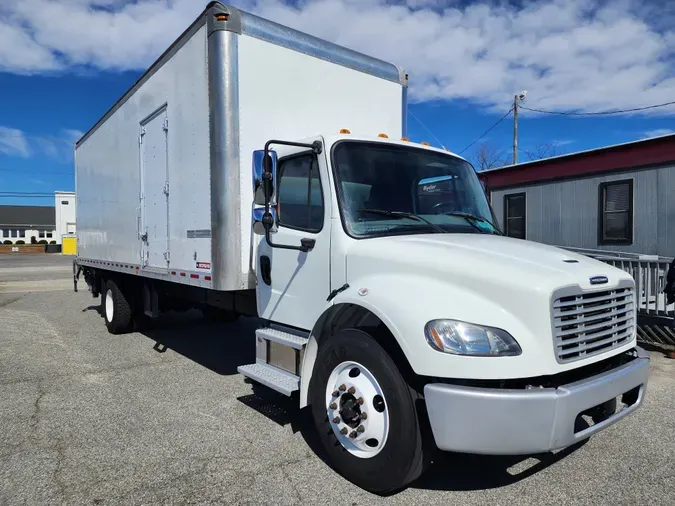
[116,309]
[354,376]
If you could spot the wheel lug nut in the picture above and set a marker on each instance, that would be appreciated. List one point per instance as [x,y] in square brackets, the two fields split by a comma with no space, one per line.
[343,430]
[336,394]
[333,405]
[360,400]
[342,388]
[352,434]
[336,419]
[360,428]
[364,416]
[351,390]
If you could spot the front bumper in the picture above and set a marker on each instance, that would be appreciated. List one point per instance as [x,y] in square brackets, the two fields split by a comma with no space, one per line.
[527,421]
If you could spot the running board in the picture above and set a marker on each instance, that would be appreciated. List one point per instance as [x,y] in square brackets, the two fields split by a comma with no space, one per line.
[272,377]
[278,356]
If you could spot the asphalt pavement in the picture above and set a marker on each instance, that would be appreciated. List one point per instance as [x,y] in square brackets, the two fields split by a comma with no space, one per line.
[164,418]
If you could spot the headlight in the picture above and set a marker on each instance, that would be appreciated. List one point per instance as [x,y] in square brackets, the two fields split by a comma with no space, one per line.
[460,338]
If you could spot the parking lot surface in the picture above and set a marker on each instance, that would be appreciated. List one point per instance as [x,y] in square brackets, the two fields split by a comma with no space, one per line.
[163,418]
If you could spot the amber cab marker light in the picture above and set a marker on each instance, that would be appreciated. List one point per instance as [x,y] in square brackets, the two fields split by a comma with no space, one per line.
[222,17]
[344,131]
[405,139]
[384,136]
[424,143]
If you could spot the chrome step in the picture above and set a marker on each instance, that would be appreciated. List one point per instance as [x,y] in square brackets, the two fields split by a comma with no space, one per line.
[279,336]
[272,377]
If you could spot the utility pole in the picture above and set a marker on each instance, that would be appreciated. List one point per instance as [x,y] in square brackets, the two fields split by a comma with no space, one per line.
[516,98]
[515,129]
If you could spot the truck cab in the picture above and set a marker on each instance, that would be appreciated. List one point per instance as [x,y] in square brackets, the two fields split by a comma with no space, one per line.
[401,314]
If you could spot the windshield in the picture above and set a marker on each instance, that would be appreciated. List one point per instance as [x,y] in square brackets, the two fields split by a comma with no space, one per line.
[389,189]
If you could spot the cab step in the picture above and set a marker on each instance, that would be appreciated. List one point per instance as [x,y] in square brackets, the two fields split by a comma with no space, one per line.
[282,337]
[278,355]
[272,377]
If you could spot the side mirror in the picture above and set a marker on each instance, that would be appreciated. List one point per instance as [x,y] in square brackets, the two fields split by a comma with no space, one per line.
[259,218]
[264,188]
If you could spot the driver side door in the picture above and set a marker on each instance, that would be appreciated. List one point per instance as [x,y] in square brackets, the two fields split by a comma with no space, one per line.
[296,284]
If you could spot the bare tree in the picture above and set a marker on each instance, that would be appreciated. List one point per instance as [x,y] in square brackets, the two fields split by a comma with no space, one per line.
[488,156]
[545,150]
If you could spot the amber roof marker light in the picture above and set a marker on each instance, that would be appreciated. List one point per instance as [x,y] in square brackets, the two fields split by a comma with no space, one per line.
[222,16]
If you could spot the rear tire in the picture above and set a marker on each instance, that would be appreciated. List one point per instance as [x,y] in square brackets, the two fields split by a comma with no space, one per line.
[117,310]
[353,359]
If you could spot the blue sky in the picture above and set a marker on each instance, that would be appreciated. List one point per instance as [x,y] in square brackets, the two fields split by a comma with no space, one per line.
[62,64]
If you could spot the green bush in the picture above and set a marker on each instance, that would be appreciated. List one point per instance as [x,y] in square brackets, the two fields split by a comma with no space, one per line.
[52,242]
[42,241]
[7,241]
[20,241]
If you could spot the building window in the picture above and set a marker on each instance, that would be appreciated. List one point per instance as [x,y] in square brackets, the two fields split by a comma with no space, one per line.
[41,233]
[514,215]
[616,212]
[49,235]
[5,232]
[22,232]
[299,194]
[15,233]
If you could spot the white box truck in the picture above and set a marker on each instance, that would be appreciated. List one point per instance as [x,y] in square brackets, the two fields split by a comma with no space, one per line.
[256,170]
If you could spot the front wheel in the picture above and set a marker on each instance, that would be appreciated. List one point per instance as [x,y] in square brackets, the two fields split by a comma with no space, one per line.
[365,414]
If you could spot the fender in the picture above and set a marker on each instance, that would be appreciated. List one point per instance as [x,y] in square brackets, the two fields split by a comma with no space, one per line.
[404,303]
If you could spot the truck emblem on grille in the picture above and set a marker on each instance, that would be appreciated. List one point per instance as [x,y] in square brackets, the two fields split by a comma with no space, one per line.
[598,280]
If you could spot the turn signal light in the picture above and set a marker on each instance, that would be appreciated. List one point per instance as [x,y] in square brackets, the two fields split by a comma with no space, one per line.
[344,131]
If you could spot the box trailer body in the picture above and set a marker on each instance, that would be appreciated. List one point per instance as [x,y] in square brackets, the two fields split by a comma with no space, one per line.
[257,170]
[171,159]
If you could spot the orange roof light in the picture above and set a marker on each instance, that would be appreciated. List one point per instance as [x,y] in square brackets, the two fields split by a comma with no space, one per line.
[344,131]
[384,136]
[424,143]
[405,139]
[222,16]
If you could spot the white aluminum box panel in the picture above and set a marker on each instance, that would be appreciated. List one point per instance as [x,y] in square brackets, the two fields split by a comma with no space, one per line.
[286,94]
[108,167]
[231,82]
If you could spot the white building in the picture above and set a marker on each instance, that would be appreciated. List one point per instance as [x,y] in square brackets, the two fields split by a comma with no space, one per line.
[27,224]
[64,205]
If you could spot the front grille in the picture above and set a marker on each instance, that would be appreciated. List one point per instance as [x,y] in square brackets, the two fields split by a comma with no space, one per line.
[586,324]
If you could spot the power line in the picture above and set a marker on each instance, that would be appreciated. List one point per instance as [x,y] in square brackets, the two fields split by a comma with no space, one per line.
[601,113]
[487,131]
[426,128]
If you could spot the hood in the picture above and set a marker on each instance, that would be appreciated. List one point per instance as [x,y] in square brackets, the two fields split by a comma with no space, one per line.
[480,259]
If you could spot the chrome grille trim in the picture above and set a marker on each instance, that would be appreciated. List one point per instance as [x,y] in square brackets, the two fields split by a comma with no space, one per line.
[587,323]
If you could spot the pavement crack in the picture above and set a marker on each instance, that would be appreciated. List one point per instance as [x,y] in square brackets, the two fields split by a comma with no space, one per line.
[57,475]
[35,416]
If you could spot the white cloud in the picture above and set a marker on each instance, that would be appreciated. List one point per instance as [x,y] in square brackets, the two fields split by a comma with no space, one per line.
[658,132]
[13,142]
[584,55]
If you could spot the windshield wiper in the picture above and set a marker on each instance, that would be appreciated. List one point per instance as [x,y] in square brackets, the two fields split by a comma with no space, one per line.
[402,214]
[472,219]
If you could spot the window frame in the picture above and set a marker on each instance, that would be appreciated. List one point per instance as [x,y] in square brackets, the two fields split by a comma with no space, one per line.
[41,234]
[506,214]
[279,204]
[602,240]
